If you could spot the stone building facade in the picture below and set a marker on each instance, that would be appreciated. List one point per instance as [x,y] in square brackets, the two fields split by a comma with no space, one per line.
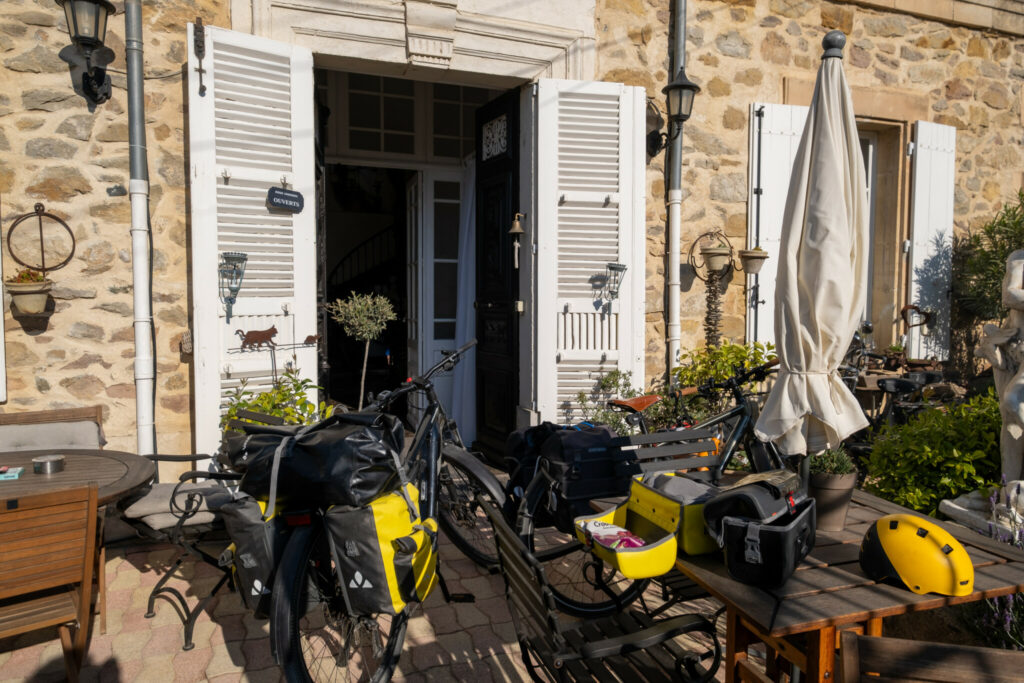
[954,62]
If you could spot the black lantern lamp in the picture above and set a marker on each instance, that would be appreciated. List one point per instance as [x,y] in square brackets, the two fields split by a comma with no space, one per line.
[679,98]
[231,270]
[616,271]
[87,26]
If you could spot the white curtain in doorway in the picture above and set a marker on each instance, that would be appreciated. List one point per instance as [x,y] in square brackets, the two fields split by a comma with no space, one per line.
[464,394]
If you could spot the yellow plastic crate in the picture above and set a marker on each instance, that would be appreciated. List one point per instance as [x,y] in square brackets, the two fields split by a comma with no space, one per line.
[651,516]
[693,534]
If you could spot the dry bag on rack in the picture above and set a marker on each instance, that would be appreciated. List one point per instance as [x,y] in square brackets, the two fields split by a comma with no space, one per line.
[346,459]
[765,524]
[584,465]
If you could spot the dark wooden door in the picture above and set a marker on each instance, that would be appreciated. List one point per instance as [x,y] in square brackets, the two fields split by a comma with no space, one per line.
[497,280]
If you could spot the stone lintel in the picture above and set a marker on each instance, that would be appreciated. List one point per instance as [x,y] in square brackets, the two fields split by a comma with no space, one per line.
[1004,16]
[879,103]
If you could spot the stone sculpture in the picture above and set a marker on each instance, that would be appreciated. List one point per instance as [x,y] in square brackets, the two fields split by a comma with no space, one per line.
[1003,347]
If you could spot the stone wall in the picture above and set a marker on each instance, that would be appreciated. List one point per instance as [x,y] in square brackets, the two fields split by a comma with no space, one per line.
[56,149]
[740,51]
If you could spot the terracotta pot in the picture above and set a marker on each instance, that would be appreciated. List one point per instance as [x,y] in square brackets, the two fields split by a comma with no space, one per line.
[29,297]
[831,494]
[716,258]
[752,260]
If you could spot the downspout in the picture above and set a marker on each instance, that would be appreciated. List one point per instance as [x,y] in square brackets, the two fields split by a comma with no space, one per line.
[138,188]
[673,162]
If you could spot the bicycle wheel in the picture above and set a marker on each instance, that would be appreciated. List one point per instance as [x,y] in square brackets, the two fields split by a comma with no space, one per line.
[460,515]
[313,636]
[582,585]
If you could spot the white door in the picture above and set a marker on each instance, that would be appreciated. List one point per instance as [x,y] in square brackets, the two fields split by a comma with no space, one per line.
[589,170]
[931,224]
[775,131]
[250,129]
[439,259]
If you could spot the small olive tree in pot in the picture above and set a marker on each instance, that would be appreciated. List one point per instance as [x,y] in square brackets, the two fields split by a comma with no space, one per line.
[363,317]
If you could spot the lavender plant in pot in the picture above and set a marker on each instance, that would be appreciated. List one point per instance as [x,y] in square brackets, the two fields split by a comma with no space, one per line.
[833,478]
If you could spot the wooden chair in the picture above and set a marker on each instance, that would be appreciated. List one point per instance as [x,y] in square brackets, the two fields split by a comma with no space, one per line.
[871,659]
[47,557]
[626,647]
[62,428]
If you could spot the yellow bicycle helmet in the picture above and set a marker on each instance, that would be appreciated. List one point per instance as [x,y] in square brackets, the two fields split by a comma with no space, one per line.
[909,551]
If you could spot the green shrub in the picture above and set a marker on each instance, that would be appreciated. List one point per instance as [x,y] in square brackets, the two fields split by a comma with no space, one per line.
[717,364]
[594,406]
[940,453]
[289,399]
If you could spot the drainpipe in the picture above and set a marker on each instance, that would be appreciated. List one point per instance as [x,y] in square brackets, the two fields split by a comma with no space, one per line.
[138,188]
[673,162]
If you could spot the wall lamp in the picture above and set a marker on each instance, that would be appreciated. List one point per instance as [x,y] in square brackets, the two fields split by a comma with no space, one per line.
[679,95]
[87,26]
[231,270]
[616,271]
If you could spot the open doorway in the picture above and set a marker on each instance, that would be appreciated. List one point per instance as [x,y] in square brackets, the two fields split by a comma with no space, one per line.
[366,253]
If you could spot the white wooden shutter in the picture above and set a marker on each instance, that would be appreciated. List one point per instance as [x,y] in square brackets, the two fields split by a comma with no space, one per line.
[590,212]
[774,138]
[931,225]
[252,129]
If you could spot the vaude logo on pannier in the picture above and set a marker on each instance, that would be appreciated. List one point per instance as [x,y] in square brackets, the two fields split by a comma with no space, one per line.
[258,588]
[359,581]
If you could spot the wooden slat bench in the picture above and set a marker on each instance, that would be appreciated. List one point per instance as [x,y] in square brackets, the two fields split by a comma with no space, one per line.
[627,647]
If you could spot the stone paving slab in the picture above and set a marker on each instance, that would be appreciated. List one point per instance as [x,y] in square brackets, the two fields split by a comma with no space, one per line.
[461,641]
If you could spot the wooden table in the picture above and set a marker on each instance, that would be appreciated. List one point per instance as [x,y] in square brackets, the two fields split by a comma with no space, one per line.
[799,621]
[115,472]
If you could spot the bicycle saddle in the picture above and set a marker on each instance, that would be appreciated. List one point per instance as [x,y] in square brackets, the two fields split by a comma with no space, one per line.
[898,385]
[637,404]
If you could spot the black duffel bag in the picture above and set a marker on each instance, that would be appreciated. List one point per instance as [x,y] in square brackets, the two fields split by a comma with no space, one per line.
[346,459]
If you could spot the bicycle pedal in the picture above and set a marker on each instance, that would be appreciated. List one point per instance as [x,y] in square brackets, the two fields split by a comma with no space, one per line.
[461,597]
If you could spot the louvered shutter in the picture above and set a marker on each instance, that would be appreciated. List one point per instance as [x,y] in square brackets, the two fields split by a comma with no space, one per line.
[774,138]
[250,130]
[931,225]
[590,212]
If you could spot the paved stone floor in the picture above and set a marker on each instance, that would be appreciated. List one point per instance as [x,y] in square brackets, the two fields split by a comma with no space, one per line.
[461,642]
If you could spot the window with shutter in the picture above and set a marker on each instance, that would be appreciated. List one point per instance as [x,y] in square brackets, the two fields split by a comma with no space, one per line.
[250,129]
[589,162]
[934,176]
[775,131]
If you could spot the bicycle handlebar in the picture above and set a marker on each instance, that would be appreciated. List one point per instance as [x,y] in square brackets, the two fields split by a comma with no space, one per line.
[741,377]
[413,383]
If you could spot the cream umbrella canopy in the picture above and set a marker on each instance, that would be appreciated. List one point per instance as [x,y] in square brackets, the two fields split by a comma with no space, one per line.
[822,273]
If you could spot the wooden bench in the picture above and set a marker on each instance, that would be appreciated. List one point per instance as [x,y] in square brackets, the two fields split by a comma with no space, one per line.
[870,659]
[628,647]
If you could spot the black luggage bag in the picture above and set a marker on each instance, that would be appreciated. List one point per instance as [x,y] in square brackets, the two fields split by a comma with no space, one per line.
[585,466]
[765,524]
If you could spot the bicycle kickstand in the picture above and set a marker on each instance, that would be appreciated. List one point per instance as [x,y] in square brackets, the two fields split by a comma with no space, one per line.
[448,595]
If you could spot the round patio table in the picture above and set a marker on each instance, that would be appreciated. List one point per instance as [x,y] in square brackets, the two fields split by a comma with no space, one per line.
[116,473]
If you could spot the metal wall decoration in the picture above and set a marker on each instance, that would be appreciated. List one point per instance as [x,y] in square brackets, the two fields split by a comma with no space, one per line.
[495,138]
[39,213]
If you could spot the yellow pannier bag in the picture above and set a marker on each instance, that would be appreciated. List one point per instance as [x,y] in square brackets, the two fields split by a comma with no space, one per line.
[386,555]
[690,496]
[647,514]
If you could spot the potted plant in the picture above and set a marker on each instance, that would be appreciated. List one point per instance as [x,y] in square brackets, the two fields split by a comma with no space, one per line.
[716,256]
[29,290]
[752,260]
[833,478]
[362,316]
[895,357]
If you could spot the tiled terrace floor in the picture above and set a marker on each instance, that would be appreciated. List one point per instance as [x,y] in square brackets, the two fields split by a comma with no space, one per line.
[461,642]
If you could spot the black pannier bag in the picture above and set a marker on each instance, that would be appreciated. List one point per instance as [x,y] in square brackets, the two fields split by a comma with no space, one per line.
[346,459]
[585,465]
[255,551]
[765,524]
